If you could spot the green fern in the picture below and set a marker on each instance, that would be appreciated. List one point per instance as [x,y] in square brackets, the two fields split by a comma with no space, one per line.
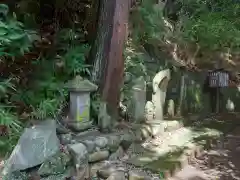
[74,61]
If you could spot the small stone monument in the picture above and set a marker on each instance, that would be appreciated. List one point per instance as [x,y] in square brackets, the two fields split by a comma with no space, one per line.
[149,111]
[104,120]
[138,100]
[170,108]
[80,90]
[160,83]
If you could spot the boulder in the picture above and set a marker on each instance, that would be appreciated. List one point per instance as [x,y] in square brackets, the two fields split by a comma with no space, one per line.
[101,142]
[118,154]
[98,156]
[113,143]
[79,153]
[90,145]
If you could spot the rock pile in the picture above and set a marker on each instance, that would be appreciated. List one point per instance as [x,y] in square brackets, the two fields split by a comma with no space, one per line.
[87,155]
[97,155]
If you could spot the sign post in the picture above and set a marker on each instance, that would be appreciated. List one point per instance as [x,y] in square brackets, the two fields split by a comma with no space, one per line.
[218,79]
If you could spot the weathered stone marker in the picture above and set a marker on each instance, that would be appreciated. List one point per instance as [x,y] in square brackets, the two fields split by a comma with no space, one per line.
[80,90]
[160,83]
[104,120]
[171,108]
[149,111]
[138,100]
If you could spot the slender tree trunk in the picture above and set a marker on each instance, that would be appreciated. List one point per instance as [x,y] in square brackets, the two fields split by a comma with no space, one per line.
[181,96]
[108,51]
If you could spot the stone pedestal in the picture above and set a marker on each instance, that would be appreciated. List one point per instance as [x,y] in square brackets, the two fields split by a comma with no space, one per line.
[157,127]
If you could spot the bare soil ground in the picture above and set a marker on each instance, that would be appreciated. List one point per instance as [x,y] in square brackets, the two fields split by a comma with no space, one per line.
[222,160]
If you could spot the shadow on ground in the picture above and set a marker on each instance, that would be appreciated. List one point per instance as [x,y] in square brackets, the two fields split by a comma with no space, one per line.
[223,167]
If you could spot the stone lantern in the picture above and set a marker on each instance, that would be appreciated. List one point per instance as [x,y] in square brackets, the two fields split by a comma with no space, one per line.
[80,90]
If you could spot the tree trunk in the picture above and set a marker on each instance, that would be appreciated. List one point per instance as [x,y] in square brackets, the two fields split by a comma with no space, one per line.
[181,96]
[100,49]
[108,51]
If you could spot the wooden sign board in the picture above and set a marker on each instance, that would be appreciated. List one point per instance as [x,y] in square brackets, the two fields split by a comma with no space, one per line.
[219,78]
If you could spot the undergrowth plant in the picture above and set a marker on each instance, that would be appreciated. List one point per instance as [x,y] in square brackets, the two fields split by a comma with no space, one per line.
[14,39]
[74,61]
[9,122]
[44,94]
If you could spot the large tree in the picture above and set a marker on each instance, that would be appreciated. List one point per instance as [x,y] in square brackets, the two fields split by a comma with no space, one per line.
[107,51]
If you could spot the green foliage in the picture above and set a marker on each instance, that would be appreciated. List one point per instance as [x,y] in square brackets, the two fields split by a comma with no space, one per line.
[14,39]
[134,63]
[47,108]
[8,119]
[44,95]
[212,24]
[5,85]
[74,61]
[28,12]
[68,38]
[147,22]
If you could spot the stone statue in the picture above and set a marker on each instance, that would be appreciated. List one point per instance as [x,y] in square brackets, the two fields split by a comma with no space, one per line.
[149,111]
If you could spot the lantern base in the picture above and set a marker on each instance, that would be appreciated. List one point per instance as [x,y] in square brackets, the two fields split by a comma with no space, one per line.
[80,126]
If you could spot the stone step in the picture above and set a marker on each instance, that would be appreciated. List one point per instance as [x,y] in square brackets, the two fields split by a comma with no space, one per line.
[174,152]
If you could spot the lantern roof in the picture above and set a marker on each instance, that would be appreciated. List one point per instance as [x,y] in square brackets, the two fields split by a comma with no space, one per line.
[78,84]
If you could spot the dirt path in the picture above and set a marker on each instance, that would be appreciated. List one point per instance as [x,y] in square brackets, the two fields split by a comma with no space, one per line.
[222,160]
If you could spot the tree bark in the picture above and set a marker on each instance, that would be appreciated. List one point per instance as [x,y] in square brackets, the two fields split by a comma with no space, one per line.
[108,51]
[181,95]
[100,47]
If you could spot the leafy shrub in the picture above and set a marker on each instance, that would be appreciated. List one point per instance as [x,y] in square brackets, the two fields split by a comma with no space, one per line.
[14,39]
[212,24]
[8,119]
[74,61]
